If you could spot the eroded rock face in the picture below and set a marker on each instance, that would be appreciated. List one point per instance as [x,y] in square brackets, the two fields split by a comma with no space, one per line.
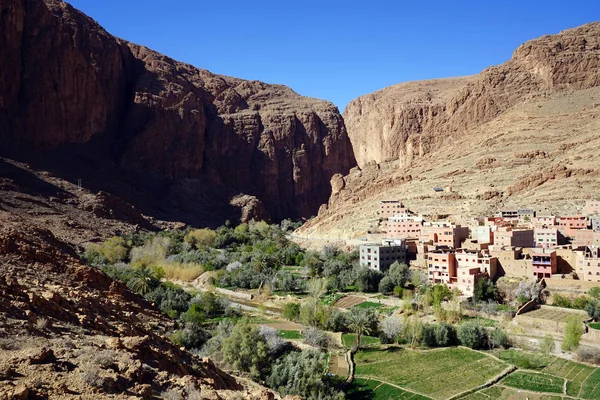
[411,119]
[65,81]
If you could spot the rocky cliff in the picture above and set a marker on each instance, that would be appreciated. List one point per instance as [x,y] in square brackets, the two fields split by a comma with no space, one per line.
[69,87]
[410,119]
[521,134]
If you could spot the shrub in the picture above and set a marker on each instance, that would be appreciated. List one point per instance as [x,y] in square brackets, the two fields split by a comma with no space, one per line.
[152,252]
[113,250]
[170,299]
[274,341]
[399,273]
[386,285]
[593,309]
[143,280]
[547,345]
[302,374]
[484,290]
[429,335]
[589,355]
[499,338]
[201,237]
[291,311]
[191,337]
[472,335]
[398,291]
[573,333]
[316,338]
[336,322]
[391,327]
[445,335]
[247,350]
[182,272]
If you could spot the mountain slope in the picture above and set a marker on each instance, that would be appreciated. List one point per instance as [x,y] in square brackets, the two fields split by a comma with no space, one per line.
[70,89]
[520,134]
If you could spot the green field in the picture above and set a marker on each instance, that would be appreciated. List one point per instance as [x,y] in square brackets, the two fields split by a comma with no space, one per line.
[349,340]
[535,382]
[286,334]
[368,304]
[481,321]
[590,389]
[438,374]
[375,390]
[595,325]
[524,360]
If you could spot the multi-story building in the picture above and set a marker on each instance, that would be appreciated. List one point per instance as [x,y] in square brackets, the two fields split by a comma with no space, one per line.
[588,264]
[389,208]
[507,236]
[512,262]
[526,215]
[381,256]
[509,214]
[595,222]
[482,234]
[570,224]
[441,267]
[472,266]
[546,236]
[547,220]
[444,234]
[592,207]
[403,226]
[543,263]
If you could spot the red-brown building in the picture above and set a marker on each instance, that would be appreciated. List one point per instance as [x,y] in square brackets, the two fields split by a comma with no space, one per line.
[544,264]
[441,267]
[389,208]
[570,224]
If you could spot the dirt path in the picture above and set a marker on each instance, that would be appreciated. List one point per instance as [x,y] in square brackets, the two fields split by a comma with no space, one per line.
[338,365]
[286,326]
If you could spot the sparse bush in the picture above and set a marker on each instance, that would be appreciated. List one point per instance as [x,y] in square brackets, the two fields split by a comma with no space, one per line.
[275,342]
[316,338]
[201,237]
[547,345]
[391,327]
[41,323]
[169,297]
[153,252]
[573,333]
[445,335]
[182,272]
[499,338]
[589,355]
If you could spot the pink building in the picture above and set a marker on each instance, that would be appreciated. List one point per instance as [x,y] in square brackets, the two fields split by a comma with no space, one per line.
[546,236]
[544,264]
[403,226]
[504,237]
[548,220]
[444,234]
[588,264]
[569,224]
[441,267]
[592,207]
[389,208]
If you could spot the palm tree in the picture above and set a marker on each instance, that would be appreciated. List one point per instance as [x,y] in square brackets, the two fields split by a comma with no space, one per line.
[143,280]
[358,322]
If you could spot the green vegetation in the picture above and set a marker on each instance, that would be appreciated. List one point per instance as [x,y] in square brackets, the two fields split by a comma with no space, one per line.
[573,333]
[374,390]
[368,304]
[595,325]
[455,369]
[481,321]
[523,359]
[290,334]
[535,382]
[349,340]
[591,386]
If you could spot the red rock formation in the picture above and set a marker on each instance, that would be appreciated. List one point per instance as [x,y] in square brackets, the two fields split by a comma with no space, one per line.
[64,81]
[410,119]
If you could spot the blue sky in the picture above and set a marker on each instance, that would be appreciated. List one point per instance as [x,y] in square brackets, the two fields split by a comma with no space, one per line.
[338,50]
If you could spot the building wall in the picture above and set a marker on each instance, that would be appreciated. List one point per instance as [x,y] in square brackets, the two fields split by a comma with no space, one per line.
[441,267]
[545,236]
[389,208]
[482,234]
[586,238]
[569,225]
[403,229]
[544,265]
[511,263]
[381,257]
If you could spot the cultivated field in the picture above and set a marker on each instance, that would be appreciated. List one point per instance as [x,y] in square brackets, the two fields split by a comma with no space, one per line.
[349,301]
[438,374]
[375,390]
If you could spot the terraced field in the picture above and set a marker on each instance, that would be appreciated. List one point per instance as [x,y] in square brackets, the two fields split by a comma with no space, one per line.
[349,301]
[375,390]
[438,374]
[575,373]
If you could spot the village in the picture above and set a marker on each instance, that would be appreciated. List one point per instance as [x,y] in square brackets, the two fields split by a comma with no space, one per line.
[514,242]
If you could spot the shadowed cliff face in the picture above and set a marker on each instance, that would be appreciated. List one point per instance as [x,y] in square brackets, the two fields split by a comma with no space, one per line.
[67,85]
[412,119]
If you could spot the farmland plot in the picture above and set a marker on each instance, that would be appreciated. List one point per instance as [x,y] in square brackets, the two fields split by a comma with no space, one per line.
[534,382]
[439,373]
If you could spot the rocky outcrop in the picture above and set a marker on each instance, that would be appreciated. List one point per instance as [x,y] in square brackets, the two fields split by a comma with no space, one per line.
[412,119]
[65,83]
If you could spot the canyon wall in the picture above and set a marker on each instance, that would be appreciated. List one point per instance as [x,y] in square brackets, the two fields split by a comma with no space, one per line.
[65,83]
[405,121]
